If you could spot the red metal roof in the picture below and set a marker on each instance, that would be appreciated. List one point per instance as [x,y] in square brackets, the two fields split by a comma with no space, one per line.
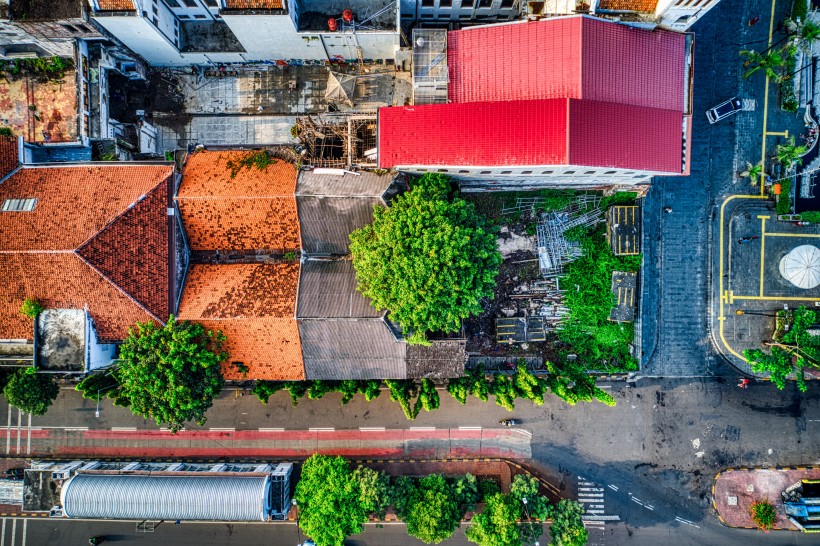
[478,133]
[577,57]
[533,132]
[603,134]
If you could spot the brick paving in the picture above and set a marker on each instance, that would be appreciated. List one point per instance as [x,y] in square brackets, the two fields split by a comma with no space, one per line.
[734,492]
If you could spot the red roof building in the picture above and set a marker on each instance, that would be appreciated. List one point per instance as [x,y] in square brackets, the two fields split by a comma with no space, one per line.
[576,97]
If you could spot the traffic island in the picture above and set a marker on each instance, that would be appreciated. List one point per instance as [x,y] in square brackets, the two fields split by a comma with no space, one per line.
[736,490]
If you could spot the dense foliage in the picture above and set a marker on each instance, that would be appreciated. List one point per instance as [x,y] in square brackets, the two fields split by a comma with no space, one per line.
[763,514]
[811,216]
[374,490]
[567,527]
[791,351]
[431,512]
[42,67]
[599,343]
[170,374]
[31,308]
[330,500]
[317,389]
[30,391]
[428,259]
[784,200]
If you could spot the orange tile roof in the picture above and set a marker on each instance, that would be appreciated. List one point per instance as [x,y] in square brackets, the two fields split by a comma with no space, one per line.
[643,6]
[255,210]
[116,5]
[8,155]
[254,305]
[254,4]
[96,239]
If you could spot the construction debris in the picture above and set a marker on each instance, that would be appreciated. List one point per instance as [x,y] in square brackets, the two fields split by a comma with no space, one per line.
[338,141]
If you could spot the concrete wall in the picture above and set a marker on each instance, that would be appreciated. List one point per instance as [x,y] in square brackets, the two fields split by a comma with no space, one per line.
[375,45]
[98,355]
[681,14]
[144,39]
[562,175]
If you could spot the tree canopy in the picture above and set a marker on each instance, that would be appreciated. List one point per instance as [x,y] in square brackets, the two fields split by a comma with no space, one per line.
[431,513]
[496,524]
[792,350]
[170,374]
[567,527]
[330,500]
[428,259]
[30,391]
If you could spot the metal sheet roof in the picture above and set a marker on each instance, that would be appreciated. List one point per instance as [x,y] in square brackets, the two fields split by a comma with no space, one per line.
[327,222]
[362,184]
[532,132]
[351,349]
[327,289]
[209,498]
[576,57]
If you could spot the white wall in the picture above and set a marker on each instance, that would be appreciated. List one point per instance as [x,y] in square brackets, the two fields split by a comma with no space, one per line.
[681,14]
[273,37]
[144,39]
[375,45]
[98,355]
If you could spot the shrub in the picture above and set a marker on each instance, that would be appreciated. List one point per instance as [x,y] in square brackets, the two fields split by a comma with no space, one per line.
[800,8]
[811,216]
[31,308]
[763,514]
[784,203]
[6,131]
[30,391]
[265,389]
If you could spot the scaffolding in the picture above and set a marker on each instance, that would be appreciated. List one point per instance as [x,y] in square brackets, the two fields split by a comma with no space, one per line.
[554,250]
[338,141]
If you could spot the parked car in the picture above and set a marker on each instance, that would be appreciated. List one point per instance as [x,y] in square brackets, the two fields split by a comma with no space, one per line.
[724,110]
[18,472]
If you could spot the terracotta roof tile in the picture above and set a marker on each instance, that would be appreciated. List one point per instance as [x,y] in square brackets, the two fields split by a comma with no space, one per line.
[132,251]
[116,5]
[254,306]
[255,210]
[62,280]
[254,4]
[240,291]
[39,255]
[8,155]
[643,6]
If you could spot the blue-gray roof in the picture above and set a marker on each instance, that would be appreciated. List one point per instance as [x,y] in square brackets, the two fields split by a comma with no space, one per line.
[141,497]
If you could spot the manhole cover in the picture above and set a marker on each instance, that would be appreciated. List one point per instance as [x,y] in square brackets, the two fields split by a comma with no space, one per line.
[731,501]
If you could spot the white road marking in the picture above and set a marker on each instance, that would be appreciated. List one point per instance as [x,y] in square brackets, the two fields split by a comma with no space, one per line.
[594,512]
[322,429]
[380,429]
[596,506]
[614,488]
[637,501]
[25,532]
[600,518]
[592,489]
[8,433]
[13,531]
[469,428]
[686,522]
[3,536]
[123,429]
[28,438]
[271,430]
[650,507]
[420,428]
[590,497]
[586,483]
[225,429]
[19,424]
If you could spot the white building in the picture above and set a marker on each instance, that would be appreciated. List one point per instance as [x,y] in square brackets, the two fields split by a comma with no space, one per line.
[187,32]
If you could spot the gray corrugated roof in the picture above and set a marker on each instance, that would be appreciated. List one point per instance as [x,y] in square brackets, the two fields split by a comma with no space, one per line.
[439,360]
[351,349]
[207,498]
[326,222]
[327,289]
[367,184]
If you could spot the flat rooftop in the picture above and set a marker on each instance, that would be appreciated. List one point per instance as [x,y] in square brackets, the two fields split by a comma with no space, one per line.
[368,15]
[61,340]
[44,10]
[40,111]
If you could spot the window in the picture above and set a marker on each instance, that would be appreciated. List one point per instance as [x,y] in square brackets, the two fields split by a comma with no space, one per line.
[506,3]
[569,172]
[184,16]
[445,3]
[464,171]
[485,3]
[198,16]
[506,172]
[191,3]
[590,172]
[443,171]
[526,172]
[19,205]
[486,172]
[467,4]
[546,172]
[69,27]
[171,3]
[427,3]
[211,3]
[610,172]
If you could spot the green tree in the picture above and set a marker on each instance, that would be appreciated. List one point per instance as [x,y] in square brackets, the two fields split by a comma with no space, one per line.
[97,384]
[567,527]
[526,487]
[30,391]
[791,351]
[31,308]
[265,389]
[473,383]
[768,62]
[170,374]
[374,490]
[527,385]
[496,525]
[432,514]
[752,172]
[428,259]
[428,396]
[402,493]
[330,500]
[504,391]
[465,488]
[789,155]
[403,391]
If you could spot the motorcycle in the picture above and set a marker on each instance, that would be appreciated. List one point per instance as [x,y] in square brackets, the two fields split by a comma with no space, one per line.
[93,541]
[508,422]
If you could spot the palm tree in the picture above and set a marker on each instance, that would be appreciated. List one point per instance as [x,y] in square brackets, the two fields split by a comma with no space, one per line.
[803,33]
[767,63]
[789,155]
[752,172]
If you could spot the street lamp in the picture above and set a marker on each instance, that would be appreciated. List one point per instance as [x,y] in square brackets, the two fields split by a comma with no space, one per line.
[529,519]
[298,531]
[97,413]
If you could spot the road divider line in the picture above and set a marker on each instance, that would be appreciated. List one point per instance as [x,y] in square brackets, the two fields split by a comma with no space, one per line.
[600,518]
[123,429]
[591,489]
[276,429]
[320,429]
[372,429]
[28,441]
[637,501]
[686,522]
[19,424]
[223,429]
[8,434]
[613,487]
[470,428]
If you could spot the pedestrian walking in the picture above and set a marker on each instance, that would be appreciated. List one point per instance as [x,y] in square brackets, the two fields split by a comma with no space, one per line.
[744,384]
[753,21]
[667,210]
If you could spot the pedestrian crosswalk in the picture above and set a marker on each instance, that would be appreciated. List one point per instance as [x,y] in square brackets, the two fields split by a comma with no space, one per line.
[13,532]
[592,496]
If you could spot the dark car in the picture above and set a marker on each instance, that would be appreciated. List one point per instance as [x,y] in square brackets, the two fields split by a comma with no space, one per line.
[724,110]
[14,472]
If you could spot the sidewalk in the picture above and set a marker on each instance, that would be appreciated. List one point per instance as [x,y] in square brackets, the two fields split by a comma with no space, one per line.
[269,443]
[735,490]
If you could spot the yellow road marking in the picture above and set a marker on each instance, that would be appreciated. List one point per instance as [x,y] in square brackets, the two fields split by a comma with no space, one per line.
[766,107]
[781,133]
[762,250]
[776,298]
[764,216]
[812,235]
